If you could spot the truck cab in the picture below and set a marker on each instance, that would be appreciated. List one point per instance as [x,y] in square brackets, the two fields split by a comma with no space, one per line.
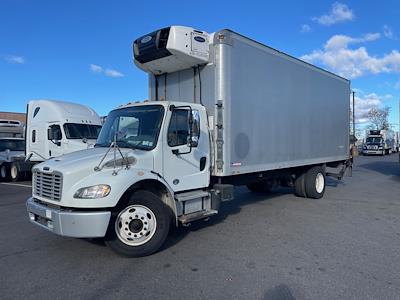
[57,127]
[160,148]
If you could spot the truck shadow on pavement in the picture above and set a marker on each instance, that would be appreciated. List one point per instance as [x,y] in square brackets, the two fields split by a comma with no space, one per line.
[243,197]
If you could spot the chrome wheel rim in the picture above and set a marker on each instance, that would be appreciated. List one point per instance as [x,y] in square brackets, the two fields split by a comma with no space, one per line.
[135,225]
[319,183]
[14,172]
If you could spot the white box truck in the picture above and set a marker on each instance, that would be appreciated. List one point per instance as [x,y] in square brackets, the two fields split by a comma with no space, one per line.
[224,110]
[380,142]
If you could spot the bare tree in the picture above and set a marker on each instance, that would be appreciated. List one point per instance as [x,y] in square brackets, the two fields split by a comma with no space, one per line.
[379,117]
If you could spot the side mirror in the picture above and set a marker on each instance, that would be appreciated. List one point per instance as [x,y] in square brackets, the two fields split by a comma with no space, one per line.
[194,129]
[193,141]
[54,134]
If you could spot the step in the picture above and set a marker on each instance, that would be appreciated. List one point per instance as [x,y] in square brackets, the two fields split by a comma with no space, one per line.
[184,219]
[191,195]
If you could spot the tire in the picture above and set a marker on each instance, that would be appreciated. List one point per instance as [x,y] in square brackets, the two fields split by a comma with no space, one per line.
[299,186]
[140,226]
[4,172]
[315,182]
[260,187]
[15,172]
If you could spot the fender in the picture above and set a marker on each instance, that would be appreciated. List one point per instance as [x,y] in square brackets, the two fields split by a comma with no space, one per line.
[145,182]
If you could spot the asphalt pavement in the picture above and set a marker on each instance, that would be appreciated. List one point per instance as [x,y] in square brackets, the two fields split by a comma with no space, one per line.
[275,246]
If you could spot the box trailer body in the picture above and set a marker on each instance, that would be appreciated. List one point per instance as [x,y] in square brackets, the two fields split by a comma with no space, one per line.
[224,110]
[77,127]
[11,129]
[270,110]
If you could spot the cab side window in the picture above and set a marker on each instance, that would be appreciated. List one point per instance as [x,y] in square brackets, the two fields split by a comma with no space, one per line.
[181,128]
[178,130]
[54,133]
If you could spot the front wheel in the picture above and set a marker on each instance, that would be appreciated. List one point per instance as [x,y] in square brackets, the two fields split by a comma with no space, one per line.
[140,226]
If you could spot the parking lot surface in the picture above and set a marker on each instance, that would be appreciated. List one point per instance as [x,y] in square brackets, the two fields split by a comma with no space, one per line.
[261,246]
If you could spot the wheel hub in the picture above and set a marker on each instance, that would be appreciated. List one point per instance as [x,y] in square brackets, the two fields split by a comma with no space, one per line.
[135,225]
[319,183]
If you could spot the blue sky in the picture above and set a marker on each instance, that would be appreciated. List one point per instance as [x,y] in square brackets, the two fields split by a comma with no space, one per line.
[80,51]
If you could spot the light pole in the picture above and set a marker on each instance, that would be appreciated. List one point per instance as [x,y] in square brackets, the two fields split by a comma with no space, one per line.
[354,120]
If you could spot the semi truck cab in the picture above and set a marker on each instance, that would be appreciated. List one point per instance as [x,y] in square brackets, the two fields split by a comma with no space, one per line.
[58,127]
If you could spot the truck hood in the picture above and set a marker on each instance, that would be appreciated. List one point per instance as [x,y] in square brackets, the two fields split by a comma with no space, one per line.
[83,168]
[85,161]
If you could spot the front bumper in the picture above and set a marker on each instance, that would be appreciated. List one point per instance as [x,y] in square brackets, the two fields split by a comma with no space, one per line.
[369,151]
[65,222]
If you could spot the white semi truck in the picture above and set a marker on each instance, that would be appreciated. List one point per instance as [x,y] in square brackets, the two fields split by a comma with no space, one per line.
[380,142]
[224,110]
[55,128]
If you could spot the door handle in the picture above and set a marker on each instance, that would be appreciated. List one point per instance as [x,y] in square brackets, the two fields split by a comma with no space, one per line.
[203,161]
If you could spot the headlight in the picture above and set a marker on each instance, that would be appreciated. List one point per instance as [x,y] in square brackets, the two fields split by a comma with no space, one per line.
[380,147]
[92,192]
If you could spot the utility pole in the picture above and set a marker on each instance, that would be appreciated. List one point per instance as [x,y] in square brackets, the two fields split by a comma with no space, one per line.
[354,119]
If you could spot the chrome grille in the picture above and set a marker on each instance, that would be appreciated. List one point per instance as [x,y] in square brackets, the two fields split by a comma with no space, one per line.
[47,185]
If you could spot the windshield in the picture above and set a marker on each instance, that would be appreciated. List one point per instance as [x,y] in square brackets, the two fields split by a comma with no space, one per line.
[81,131]
[374,140]
[12,145]
[134,127]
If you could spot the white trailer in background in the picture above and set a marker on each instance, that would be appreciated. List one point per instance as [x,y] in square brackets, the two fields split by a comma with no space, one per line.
[224,110]
[12,150]
[55,128]
[11,128]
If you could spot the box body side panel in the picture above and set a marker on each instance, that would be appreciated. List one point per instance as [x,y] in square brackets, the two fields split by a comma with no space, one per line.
[282,113]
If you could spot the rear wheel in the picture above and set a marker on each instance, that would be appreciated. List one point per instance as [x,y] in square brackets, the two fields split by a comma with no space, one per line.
[299,186]
[4,172]
[315,182]
[15,172]
[140,226]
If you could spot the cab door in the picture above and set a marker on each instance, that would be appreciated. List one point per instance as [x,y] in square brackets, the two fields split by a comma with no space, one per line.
[186,163]
[54,137]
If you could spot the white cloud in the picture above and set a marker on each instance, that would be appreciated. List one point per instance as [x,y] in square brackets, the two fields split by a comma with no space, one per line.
[388,32]
[363,105]
[96,68]
[352,63]
[108,72]
[13,59]
[342,41]
[338,14]
[305,28]
[113,73]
